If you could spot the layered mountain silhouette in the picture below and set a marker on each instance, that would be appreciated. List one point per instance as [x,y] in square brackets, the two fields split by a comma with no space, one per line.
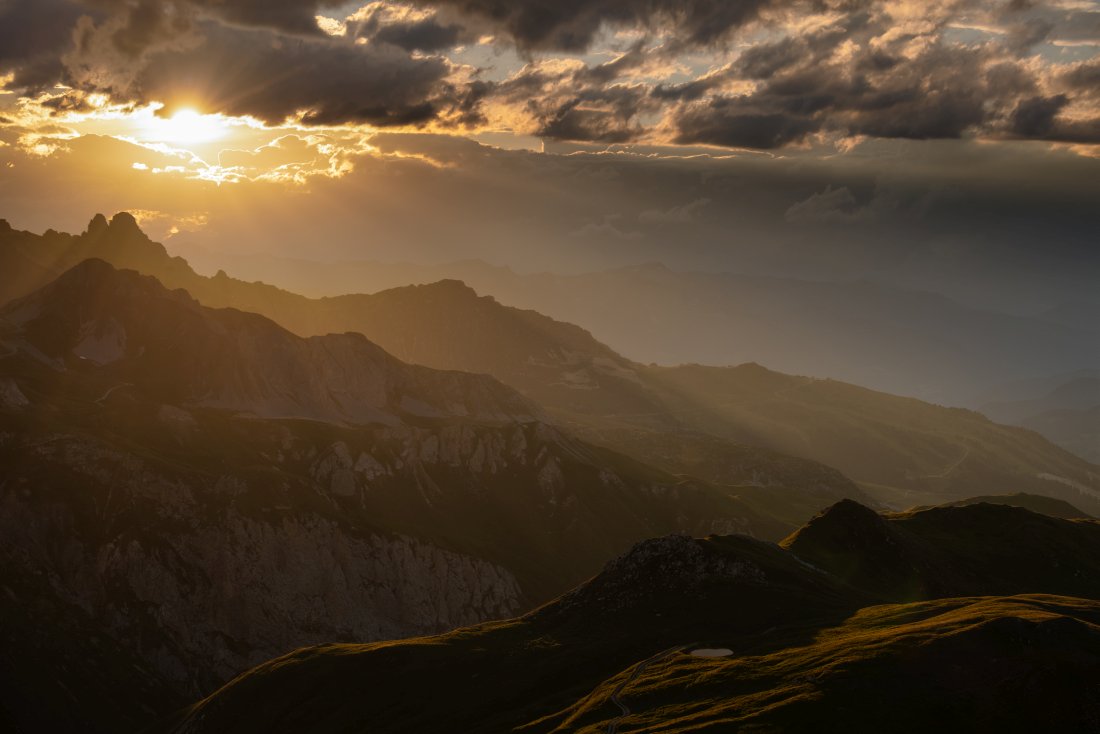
[202,475]
[851,621]
[900,341]
[1065,410]
[188,491]
[732,425]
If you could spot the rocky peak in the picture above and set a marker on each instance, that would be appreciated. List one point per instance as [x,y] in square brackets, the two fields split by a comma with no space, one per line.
[845,523]
[97,226]
[667,569]
[124,224]
[244,362]
[5,227]
[451,288]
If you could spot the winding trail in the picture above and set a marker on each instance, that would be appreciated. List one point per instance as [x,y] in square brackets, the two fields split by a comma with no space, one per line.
[616,695]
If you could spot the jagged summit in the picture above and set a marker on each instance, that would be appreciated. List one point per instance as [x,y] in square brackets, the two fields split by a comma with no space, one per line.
[97,226]
[91,285]
[165,343]
[446,288]
[125,224]
[671,565]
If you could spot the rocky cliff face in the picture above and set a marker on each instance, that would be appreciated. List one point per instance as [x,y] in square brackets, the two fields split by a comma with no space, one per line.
[206,588]
[300,533]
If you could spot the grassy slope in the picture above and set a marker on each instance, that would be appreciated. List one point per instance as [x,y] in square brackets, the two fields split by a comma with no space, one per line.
[1023,663]
[901,450]
[982,549]
[498,676]
[809,647]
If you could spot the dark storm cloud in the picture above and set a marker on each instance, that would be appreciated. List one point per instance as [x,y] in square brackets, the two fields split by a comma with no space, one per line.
[273,77]
[1034,117]
[943,91]
[581,105]
[428,34]
[293,16]
[572,25]
[727,123]
[1083,78]
[602,116]
[33,36]
[878,70]
[1038,118]
[265,59]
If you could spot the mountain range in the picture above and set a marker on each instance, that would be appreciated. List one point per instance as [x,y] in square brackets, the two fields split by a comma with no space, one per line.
[209,490]
[204,474]
[906,342]
[745,426]
[1065,409]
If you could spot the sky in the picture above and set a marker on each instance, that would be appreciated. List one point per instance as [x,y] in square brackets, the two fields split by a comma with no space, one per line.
[943,144]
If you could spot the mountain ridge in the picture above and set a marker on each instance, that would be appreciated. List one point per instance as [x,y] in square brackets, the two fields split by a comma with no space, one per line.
[667,416]
[199,537]
[802,641]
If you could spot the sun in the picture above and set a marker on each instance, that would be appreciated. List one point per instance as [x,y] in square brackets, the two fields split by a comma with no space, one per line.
[187,126]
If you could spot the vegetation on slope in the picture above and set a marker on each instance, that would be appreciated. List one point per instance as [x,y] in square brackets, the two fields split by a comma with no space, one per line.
[808,645]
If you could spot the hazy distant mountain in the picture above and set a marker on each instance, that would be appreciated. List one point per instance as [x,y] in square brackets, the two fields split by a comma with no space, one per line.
[852,620]
[1065,409]
[189,491]
[445,325]
[690,419]
[903,342]
[1034,502]
[1073,392]
[1074,430]
[177,351]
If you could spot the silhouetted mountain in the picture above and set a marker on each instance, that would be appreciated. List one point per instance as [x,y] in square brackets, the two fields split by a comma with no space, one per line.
[189,491]
[1077,431]
[180,352]
[690,419]
[796,644]
[968,550]
[447,326]
[900,341]
[1074,392]
[1034,502]
[1065,411]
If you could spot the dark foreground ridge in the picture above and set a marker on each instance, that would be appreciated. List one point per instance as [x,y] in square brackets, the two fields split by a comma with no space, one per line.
[818,631]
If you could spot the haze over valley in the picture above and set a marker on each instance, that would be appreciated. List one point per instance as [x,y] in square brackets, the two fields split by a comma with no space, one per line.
[437,366]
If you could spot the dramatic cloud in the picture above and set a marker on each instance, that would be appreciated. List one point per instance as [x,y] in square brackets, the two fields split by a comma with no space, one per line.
[34,34]
[573,25]
[759,74]
[266,60]
[270,77]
